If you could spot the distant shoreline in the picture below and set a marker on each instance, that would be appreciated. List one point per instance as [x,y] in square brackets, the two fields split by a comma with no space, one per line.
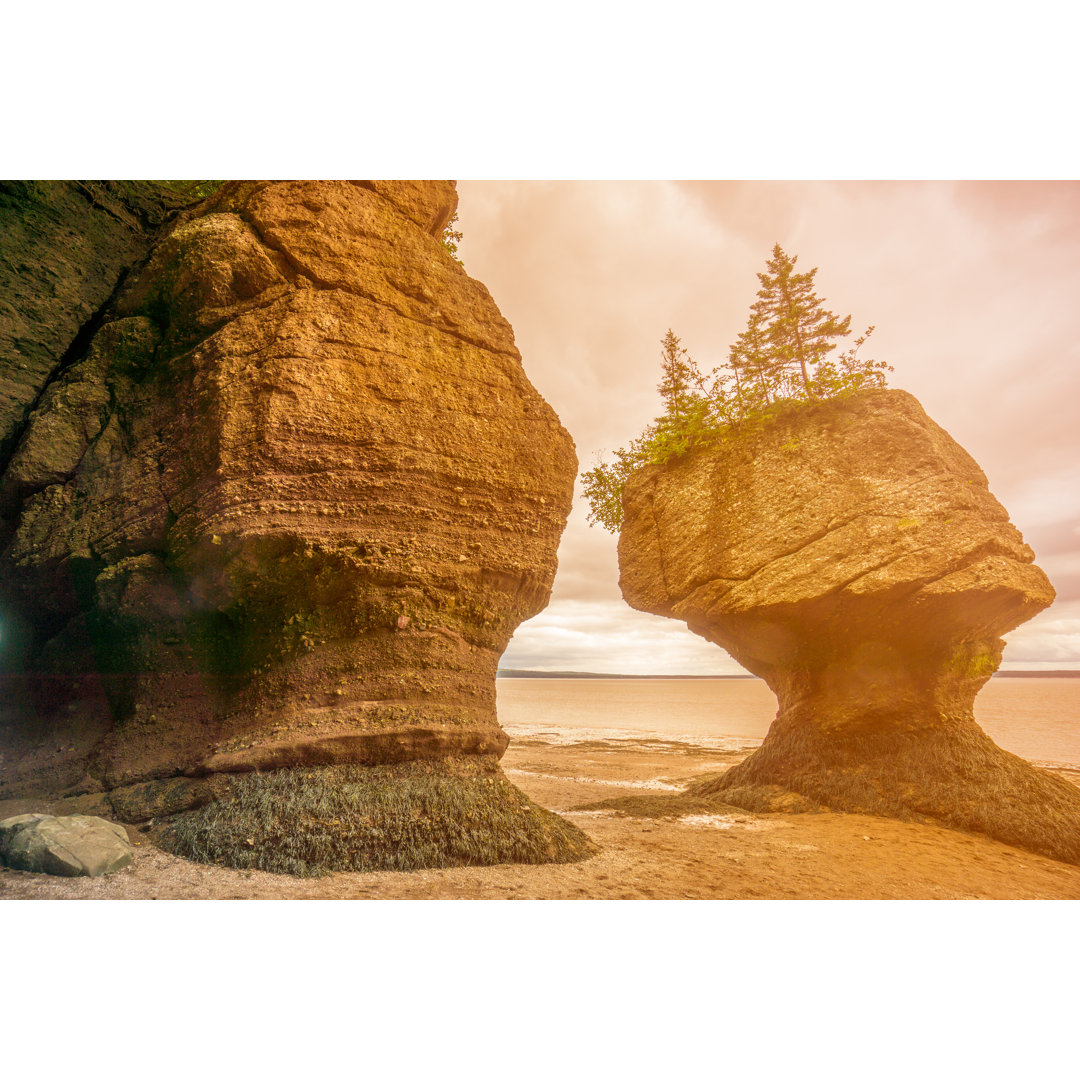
[516,673]
[1068,674]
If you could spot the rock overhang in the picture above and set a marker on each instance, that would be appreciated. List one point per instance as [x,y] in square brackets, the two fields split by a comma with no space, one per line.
[793,522]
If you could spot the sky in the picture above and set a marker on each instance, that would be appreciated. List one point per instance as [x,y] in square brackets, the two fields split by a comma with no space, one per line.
[972,288]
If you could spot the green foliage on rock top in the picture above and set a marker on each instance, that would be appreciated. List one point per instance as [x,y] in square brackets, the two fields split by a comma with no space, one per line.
[779,362]
[450,237]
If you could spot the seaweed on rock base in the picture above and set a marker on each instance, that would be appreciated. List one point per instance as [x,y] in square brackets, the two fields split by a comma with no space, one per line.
[418,815]
[949,773]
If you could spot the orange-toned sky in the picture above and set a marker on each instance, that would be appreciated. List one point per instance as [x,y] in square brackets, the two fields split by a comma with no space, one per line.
[973,288]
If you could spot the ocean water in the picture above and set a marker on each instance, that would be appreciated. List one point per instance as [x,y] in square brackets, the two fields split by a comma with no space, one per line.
[1038,719]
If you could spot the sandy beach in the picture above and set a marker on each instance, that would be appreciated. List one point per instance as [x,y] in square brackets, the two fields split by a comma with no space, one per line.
[649,850]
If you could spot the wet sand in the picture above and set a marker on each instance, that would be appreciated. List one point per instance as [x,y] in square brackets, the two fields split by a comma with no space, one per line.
[691,856]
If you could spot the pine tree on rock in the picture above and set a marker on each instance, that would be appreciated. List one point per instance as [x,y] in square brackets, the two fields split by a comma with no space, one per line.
[799,329]
[751,364]
[680,384]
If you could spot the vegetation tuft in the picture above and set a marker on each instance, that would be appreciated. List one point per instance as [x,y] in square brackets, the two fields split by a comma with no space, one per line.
[666,805]
[192,190]
[952,775]
[418,815]
[450,237]
[779,362]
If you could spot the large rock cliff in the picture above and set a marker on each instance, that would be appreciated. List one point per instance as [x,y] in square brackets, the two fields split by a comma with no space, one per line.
[852,555]
[283,512]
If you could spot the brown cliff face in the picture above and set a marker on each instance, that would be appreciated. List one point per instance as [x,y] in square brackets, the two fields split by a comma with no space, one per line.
[286,511]
[852,556]
[65,246]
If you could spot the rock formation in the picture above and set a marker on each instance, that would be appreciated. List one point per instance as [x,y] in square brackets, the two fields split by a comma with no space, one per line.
[851,555]
[282,512]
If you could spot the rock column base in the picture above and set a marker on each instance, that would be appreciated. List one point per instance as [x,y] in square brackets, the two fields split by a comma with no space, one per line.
[947,772]
[309,821]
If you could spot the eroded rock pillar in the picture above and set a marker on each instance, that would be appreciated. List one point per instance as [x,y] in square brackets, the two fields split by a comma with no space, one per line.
[284,515]
[851,554]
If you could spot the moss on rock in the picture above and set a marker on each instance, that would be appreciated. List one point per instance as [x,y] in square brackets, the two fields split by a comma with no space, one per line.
[418,815]
[950,773]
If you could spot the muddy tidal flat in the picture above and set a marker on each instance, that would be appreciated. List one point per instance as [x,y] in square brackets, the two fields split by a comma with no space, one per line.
[650,850]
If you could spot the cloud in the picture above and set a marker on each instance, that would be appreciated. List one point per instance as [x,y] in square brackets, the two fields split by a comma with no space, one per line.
[1052,637]
[608,637]
[1054,538]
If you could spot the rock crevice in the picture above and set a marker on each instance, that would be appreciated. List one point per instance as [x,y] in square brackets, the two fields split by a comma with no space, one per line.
[67,249]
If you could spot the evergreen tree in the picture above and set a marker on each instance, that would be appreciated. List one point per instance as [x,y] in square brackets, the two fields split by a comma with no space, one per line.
[799,328]
[751,365]
[604,483]
[680,384]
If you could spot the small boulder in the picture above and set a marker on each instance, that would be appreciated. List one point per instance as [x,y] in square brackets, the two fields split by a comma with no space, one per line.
[72,846]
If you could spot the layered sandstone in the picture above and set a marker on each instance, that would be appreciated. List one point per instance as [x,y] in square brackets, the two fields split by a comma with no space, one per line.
[852,555]
[285,511]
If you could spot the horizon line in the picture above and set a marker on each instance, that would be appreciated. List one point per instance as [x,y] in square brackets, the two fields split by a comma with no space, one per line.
[527,673]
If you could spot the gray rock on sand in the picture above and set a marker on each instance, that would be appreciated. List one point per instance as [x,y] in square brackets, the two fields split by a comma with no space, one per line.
[72,846]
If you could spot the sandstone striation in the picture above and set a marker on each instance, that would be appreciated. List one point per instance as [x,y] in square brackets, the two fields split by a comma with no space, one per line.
[852,555]
[283,512]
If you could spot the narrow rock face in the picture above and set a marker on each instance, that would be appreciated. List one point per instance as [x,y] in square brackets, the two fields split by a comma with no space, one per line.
[852,556]
[288,508]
